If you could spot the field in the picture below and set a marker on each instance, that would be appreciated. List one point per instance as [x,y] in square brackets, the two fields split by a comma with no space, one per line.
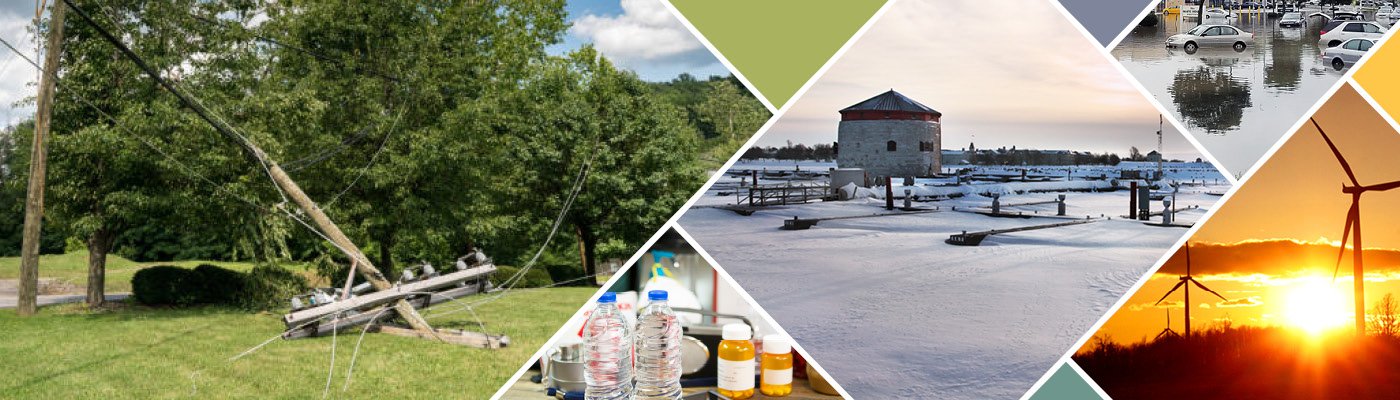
[137,352]
[891,311]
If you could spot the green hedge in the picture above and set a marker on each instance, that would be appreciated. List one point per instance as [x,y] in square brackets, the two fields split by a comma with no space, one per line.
[166,285]
[262,288]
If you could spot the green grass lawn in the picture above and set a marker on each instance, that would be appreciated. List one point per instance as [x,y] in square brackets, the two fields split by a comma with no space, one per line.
[72,267]
[66,352]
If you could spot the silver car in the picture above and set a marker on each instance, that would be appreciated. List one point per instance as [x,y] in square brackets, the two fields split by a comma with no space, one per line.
[1348,53]
[1211,36]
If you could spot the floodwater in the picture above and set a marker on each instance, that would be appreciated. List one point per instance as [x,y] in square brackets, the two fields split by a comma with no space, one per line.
[1237,104]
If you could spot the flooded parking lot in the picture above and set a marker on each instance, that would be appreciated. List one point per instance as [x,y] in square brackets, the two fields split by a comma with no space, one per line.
[1237,103]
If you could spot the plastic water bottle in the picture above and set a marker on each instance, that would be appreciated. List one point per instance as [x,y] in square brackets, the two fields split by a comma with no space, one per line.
[658,350]
[607,352]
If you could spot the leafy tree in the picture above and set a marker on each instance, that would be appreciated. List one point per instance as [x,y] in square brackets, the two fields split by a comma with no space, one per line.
[395,68]
[582,110]
[15,143]
[103,181]
[734,114]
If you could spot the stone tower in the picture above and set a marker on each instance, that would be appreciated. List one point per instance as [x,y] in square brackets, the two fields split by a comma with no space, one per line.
[890,135]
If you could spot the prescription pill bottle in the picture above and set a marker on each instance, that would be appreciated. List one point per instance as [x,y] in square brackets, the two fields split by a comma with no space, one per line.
[776,366]
[736,362]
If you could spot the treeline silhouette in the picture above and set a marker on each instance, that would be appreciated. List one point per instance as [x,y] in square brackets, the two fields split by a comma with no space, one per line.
[1246,362]
[818,152]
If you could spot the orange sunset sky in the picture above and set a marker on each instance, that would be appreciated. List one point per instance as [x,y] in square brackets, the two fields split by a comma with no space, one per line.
[1271,248]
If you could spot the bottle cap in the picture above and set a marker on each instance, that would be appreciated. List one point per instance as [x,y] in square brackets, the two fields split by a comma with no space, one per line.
[607,297]
[776,344]
[737,332]
[656,295]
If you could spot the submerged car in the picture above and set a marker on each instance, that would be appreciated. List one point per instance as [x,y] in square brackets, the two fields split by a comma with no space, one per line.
[1292,19]
[1348,53]
[1211,36]
[1336,32]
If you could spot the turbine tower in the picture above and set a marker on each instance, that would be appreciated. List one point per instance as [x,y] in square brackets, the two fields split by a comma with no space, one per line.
[1168,332]
[1353,229]
[1186,295]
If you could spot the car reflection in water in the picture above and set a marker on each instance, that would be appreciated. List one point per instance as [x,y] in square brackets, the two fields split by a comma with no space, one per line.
[1236,103]
[1210,96]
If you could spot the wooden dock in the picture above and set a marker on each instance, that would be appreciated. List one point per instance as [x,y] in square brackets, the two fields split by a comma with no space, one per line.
[975,238]
[797,224]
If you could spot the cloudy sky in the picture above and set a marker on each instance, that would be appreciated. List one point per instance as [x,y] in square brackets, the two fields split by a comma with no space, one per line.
[1271,249]
[1006,73]
[639,35]
[16,75]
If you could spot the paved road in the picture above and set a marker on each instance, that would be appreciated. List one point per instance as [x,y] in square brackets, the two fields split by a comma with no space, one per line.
[9,296]
[12,301]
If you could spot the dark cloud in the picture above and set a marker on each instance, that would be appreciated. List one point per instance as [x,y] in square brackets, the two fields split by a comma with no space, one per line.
[1275,258]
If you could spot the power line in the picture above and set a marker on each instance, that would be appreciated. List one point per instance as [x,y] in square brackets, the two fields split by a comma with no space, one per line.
[182,166]
[225,129]
[372,159]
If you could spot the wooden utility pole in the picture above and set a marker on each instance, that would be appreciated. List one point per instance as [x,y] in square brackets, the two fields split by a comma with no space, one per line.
[358,259]
[34,199]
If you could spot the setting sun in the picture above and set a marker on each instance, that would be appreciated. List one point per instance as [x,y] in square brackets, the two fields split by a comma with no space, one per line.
[1315,306]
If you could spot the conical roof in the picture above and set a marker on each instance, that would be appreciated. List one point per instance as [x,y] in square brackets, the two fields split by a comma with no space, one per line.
[891,101]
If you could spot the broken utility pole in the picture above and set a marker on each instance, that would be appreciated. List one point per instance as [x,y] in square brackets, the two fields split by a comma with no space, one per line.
[279,177]
[38,155]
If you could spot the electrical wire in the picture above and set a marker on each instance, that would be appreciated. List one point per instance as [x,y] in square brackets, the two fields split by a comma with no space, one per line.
[372,159]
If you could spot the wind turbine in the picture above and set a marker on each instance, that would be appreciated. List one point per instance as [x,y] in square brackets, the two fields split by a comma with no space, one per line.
[1186,305]
[1353,228]
[1168,332]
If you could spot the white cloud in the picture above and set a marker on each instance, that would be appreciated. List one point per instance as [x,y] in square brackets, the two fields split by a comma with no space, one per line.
[16,75]
[644,33]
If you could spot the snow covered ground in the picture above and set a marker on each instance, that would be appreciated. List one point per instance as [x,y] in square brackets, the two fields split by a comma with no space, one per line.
[891,311]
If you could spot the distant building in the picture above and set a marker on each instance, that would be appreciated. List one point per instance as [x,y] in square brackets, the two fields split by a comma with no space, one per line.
[954,157]
[890,135]
[1153,156]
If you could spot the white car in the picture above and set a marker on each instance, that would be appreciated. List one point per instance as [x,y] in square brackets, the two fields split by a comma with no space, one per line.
[1211,36]
[1348,53]
[1216,13]
[1336,32]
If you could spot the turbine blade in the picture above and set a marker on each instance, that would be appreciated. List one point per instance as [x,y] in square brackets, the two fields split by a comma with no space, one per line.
[1345,167]
[1346,233]
[1203,287]
[1169,292]
[1384,186]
